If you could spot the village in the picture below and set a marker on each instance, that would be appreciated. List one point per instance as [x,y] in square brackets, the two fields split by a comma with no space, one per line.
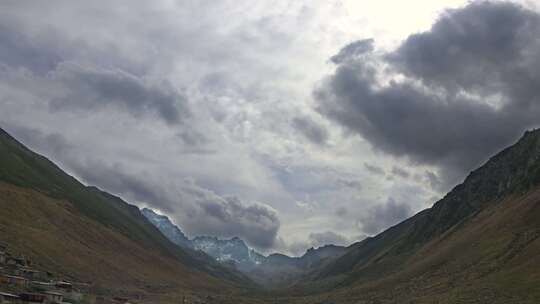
[20,282]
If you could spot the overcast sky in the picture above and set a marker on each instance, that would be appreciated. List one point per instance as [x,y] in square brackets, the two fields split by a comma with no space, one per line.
[290,124]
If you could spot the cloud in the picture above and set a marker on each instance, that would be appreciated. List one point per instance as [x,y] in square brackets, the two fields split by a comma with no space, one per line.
[349,183]
[328,238]
[197,210]
[39,54]
[353,51]
[228,216]
[383,216]
[90,88]
[312,130]
[306,206]
[342,212]
[400,172]
[374,169]
[449,97]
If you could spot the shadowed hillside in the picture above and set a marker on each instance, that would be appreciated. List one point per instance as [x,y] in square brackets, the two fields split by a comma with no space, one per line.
[482,238]
[90,235]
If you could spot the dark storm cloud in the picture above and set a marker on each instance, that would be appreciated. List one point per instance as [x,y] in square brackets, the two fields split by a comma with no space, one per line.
[92,88]
[383,216]
[312,130]
[472,86]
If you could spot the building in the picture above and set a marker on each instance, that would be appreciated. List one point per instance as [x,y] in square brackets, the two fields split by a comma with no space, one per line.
[66,286]
[42,285]
[29,273]
[15,261]
[54,297]
[13,280]
[32,298]
[7,298]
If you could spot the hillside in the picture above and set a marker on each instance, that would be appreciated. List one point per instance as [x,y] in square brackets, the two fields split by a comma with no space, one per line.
[89,235]
[480,241]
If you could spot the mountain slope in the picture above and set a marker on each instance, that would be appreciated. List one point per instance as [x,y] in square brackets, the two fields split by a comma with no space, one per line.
[88,234]
[501,200]
[170,230]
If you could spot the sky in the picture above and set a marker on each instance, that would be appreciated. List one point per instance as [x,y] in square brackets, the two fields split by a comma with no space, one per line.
[290,124]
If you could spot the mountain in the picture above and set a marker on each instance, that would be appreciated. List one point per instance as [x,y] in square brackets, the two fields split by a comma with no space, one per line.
[86,234]
[281,271]
[481,241]
[170,230]
[276,270]
[233,251]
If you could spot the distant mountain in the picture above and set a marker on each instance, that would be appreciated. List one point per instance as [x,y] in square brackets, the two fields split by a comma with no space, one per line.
[233,251]
[481,241]
[274,270]
[86,234]
[164,224]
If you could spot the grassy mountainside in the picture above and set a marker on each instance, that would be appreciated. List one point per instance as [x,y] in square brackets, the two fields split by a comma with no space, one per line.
[482,237]
[90,234]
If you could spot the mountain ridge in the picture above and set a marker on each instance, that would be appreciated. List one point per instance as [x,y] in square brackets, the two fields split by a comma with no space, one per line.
[262,269]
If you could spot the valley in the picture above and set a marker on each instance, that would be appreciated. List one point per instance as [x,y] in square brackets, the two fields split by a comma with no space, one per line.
[482,240]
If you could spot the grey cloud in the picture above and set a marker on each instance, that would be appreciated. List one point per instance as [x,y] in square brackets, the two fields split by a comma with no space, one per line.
[433,180]
[400,172]
[486,48]
[39,141]
[328,238]
[342,212]
[93,88]
[228,216]
[374,169]
[311,129]
[349,183]
[353,50]
[18,50]
[383,216]
[471,88]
